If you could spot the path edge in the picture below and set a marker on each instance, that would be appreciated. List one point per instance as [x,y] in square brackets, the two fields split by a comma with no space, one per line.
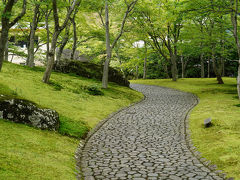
[82,144]
[207,163]
[192,148]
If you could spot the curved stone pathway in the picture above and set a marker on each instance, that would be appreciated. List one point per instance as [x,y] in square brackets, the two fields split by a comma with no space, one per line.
[145,141]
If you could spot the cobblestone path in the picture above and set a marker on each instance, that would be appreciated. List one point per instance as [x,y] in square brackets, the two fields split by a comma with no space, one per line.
[145,141]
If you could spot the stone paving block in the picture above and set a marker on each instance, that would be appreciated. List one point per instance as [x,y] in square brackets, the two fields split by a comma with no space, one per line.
[147,144]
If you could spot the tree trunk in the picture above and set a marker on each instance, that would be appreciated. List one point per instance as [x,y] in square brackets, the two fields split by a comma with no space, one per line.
[202,66]
[209,66]
[174,68]
[6,25]
[108,48]
[234,20]
[48,33]
[34,23]
[57,30]
[60,49]
[51,56]
[3,41]
[6,51]
[215,68]
[137,72]
[223,68]
[145,62]
[119,59]
[63,44]
[165,67]
[183,70]
[74,47]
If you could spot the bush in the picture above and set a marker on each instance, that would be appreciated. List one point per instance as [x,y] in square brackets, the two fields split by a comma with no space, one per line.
[94,90]
[56,86]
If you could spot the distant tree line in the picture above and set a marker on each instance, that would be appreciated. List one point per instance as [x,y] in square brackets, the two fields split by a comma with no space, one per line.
[142,38]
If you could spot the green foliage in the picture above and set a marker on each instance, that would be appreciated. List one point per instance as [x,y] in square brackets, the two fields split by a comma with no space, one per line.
[93,90]
[72,128]
[57,86]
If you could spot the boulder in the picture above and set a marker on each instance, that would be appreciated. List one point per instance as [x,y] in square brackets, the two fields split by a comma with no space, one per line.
[26,112]
[208,122]
[90,70]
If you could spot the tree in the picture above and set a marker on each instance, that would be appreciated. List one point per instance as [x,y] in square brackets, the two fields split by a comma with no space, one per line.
[234,20]
[7,23]
[33,28]
[109,47]
[57,30]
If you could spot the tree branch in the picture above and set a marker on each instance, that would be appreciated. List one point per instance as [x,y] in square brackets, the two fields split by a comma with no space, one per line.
[20,15]
[71,9]
[129,9]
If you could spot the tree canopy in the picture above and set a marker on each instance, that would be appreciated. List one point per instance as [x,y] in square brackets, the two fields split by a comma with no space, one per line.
[176,38]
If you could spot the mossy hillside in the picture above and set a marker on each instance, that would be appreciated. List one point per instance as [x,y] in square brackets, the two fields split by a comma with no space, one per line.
[29,153]
[79,110]
[221,142]
[90,70]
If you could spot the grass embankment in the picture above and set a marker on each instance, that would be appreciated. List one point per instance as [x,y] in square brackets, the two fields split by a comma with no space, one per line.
[29,153]
[220,143]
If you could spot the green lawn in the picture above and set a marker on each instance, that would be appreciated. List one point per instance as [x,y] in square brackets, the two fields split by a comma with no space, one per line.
[220,143]
[28,153]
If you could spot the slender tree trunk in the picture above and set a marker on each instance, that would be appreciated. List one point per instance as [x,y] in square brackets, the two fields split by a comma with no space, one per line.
[202,66]
[58,29]
[209,65]
[183,70]
[215,68]
[63,44]
[51,59]
[234,20]
[145,62]
[48,33]
[165,67]
[6,51]
[119,59]
[60,50]
[30,61]
[108,47]
[223,67]
[137,72]
[6,25]
[174,67]
[75,39]
[145,68]
[3,41]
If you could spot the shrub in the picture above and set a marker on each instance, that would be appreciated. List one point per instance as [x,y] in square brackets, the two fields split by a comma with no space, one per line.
[56,86]
[94,90]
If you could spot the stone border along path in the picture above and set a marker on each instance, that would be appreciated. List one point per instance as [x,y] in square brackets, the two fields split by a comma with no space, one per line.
[145,141]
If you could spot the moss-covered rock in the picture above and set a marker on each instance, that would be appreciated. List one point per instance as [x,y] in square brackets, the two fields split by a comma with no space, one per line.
[90,70]
[26,112]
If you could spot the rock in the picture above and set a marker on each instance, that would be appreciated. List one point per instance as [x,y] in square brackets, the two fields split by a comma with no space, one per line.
[90,70]
[208,122]
[26,112]
[66,55]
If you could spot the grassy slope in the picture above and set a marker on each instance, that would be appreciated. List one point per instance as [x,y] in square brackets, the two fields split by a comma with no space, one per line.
[220,143]
[28,153]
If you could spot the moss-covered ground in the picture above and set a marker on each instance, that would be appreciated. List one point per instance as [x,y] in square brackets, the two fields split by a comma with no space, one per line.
[221,142]
[28,153]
